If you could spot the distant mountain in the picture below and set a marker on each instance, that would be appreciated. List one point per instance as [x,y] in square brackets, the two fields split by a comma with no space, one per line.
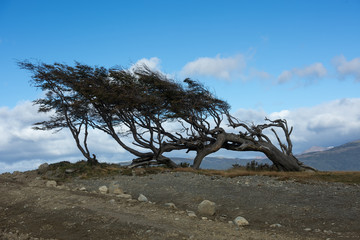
[345,157]
[316,149]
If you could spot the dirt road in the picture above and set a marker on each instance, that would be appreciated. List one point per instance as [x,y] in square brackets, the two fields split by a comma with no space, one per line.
[276,210]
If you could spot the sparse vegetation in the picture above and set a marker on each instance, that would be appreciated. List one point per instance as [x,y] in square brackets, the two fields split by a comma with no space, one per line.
[66,170]
[184,164]
[255,166]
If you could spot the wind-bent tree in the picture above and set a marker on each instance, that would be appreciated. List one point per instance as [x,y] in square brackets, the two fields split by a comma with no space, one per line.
[252,138]
[143,105]
[70,111]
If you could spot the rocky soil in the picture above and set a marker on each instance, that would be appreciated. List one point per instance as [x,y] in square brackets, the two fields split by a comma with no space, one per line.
[34,208]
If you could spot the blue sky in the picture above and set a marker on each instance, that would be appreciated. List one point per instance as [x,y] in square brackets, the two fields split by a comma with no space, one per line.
[294,59]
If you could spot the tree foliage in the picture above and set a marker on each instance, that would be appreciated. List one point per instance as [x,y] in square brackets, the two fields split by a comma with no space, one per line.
[144,106]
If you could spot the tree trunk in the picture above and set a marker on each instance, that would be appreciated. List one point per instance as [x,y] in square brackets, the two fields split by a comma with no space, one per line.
[150,157]
[281,160]
[92,161]
[167,161]
[211,148]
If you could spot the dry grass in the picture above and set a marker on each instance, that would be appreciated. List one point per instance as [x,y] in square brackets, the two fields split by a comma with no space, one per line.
[307,177]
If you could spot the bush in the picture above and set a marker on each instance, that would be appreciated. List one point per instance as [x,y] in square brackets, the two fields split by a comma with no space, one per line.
[255,166]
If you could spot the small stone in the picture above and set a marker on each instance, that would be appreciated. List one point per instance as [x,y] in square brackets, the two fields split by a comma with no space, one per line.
[103,189]
[275,225]
[51,183]
[82,189]
[114,188]
[230,222]
[204,218]
[112,201]
[206,208]
[126,196]
[240,221]
[142,198]
[223,217]
[170,205]
[191,214]
[307,229]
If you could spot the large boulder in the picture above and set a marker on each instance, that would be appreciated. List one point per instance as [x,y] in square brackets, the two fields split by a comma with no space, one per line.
[206,208]
[142,198]
[43,168]
[103,189]
[240,222]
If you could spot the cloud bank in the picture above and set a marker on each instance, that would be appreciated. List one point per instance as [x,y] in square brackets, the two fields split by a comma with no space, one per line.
[22,148]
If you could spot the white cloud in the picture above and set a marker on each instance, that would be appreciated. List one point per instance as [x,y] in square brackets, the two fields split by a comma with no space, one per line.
[314,71]
[285,76]
[153,63]
[347,68]
[329,124]
[218,67]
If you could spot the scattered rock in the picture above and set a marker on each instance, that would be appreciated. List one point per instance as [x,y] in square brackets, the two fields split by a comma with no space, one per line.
[126,196]
[307,229]
[51,183]
[276,225]
[170,205]
[112,201]
[82,189]
[43,168]
[204,218]
[142,198]
[70,170]
[103,189]
[207,208]
[240,221]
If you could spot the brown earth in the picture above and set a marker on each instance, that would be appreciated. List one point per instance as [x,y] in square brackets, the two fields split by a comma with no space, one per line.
[30,210]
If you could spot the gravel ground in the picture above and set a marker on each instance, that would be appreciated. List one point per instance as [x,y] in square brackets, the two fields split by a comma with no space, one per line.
[275,209]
